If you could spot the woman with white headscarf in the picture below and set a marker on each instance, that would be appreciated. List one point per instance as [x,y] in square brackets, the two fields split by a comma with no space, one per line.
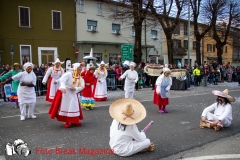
[163,85]
[131,79]
[56,72]
[26,91]
[66,106]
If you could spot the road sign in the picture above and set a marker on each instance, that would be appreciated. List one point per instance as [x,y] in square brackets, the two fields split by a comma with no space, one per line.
[127,52]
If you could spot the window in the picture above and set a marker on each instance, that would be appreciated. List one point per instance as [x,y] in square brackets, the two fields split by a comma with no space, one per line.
[154,34]
[56,20]
[114,58]
[24,16]
[185,43]
[177,29]
[115,10]
[225,49]
[213,47]
[185,29]
[133,31]
[209,48]
[99,9]
[194,45]
[177,43]
[91,25]
[116,28]
[80,6]
[97,55]
[25,54]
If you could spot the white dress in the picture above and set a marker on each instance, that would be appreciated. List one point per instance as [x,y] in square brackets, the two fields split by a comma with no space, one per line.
[122,141]
[26,94]
[101,87]
[129,85]
[220,112]
[70,105]
[55,78]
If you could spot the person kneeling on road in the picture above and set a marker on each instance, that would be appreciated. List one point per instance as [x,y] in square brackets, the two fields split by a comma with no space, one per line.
[222,116]
[125,138]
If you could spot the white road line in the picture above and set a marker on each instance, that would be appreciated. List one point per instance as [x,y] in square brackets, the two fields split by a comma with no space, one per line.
[223,156]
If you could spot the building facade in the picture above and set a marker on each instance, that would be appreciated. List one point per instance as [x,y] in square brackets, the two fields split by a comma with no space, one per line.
[36,31]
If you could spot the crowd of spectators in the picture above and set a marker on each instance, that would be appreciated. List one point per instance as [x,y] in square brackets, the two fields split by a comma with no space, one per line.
[206,74]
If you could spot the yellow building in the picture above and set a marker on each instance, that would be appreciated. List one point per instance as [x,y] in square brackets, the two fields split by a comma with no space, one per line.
[210,50]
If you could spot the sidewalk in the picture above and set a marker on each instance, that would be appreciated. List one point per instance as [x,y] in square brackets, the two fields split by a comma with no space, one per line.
[226,148]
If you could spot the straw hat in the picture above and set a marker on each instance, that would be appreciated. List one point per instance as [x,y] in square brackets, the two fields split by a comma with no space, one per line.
[224,94]
[127,111]
[16,64]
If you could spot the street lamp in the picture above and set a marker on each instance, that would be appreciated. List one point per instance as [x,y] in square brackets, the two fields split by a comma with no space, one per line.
[189,33]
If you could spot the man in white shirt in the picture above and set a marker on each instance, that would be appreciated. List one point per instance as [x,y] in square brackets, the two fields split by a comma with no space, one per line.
[222,112]
[125,138]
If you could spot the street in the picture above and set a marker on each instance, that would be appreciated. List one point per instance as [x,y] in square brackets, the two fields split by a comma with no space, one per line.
[172,133]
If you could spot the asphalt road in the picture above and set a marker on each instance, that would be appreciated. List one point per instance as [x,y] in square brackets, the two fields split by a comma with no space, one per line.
[174,132]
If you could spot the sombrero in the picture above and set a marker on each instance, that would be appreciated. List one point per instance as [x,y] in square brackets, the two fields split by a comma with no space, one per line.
[224,94]
[127,111]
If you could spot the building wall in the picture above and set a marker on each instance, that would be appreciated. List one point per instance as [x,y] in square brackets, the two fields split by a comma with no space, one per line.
[40,32]
[104,34]
[211,55]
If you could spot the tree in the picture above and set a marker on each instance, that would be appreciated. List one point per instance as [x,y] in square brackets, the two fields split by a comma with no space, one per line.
[135,11]
[196,12]
[164,11]
[223,12]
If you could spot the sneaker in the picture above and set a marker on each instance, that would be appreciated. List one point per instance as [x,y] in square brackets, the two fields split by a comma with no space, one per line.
[165,111]
[161,111]
[22,118]
[32,116]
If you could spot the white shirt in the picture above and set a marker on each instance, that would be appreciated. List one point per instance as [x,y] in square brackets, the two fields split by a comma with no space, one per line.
[222,111]
[131,78]
[121,141]
[26,94]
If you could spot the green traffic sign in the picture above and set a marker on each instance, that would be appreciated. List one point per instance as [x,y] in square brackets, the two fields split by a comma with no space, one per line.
[127,52]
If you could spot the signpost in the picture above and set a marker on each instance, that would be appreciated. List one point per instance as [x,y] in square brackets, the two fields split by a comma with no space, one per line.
[127,52]
[11,51]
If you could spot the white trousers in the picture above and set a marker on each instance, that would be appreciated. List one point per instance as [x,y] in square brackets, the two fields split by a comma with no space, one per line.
[30,109]
[224,122]
[129,94]
[133,148]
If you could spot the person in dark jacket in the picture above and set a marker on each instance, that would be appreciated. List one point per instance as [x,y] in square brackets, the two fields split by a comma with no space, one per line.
[205,73]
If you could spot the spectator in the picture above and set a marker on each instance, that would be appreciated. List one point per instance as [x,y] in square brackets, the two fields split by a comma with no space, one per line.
[205,73]
[37,71]
[197,76]
[42,69]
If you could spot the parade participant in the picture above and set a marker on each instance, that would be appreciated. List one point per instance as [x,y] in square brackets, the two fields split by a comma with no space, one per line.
[56,72]
[87,99]
[100,89]
[26,92]
[83,66]
[16,69]
[131,79]
[222,112]
[68,65]
[125,138]
[162,87]
[66,106]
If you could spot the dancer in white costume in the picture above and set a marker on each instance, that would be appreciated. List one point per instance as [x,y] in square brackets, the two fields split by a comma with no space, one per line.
[100,89]
[56,72]
[26,92]
[131,79]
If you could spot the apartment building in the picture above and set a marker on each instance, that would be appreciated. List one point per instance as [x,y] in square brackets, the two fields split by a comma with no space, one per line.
[95,30]
[36,31]
[210,50]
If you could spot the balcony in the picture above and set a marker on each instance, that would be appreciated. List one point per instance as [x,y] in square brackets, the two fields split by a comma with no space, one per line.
[180,51]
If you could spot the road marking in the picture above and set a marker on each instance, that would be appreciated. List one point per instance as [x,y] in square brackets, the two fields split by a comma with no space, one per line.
[222,156]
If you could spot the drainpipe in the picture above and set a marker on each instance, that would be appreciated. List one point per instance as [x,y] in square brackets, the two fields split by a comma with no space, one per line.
[75,47]
[145,30]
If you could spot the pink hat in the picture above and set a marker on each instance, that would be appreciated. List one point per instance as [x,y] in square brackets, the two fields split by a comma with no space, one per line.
[224,94]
